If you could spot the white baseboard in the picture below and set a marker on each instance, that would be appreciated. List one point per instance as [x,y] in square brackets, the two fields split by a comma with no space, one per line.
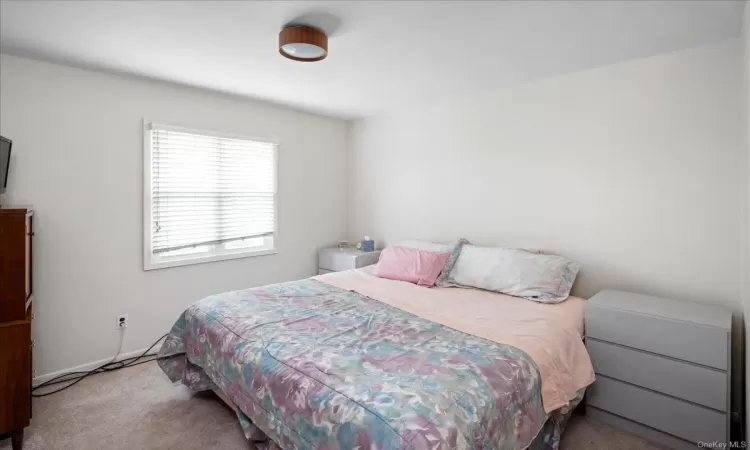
[85,367]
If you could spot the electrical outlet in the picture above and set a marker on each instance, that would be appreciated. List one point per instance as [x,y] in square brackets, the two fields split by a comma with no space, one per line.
[122,321]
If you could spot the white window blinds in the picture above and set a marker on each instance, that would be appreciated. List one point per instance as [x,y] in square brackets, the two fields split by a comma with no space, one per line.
[210,192]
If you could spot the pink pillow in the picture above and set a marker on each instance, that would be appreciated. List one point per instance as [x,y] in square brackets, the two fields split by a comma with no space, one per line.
[411,265]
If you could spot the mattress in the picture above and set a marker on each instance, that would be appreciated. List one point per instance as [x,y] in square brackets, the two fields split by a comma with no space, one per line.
[309,364]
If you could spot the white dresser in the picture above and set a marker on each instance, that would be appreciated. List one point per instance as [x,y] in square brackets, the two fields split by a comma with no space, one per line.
[335,259]
[662,367]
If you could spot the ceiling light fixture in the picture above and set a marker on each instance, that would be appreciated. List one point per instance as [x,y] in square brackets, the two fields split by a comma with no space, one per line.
[302,43]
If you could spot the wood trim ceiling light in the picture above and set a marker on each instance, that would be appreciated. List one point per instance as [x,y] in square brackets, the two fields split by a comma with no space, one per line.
[301,43]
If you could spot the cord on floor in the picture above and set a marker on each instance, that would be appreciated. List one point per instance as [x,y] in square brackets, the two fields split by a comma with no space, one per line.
[75,377]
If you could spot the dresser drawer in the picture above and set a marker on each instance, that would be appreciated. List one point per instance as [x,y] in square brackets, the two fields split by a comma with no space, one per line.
[688,341]
[697,384]
[668,414]
[15,375]
[335,259]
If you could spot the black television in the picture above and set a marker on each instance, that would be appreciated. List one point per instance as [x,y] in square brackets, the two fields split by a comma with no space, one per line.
[5,145]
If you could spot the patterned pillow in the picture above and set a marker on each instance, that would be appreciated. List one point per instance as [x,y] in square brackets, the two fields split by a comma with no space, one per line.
[512,271]
[442,280]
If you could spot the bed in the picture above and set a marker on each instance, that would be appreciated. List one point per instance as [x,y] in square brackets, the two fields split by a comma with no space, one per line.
[347,360]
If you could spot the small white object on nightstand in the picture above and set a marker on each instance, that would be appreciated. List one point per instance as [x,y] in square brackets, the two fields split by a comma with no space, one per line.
[336,259]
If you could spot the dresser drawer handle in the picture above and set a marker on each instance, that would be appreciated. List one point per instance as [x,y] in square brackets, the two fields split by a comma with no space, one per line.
[32,316]
[33,344]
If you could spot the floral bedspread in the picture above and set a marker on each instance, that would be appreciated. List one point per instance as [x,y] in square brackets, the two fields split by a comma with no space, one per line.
[313,366]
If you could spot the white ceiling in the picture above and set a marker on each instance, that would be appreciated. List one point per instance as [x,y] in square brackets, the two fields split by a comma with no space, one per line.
[383,55]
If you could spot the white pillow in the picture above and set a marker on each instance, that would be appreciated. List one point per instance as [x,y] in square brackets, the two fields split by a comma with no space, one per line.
[513,271]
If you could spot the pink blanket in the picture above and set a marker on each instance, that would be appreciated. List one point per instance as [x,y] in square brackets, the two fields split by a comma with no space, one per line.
[550,333]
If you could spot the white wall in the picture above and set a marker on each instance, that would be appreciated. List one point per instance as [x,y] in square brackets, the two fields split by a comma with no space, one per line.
[633,170]
[746,227]
[77,142]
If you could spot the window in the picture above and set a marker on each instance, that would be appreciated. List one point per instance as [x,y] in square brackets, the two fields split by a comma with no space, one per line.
[208,197]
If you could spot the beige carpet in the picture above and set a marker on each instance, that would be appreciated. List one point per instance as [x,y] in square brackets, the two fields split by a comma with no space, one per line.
[138,408]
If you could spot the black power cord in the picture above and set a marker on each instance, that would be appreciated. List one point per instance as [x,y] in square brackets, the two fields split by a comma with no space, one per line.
[75,377]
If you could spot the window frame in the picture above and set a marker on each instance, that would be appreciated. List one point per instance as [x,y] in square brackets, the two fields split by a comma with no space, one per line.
[152,262]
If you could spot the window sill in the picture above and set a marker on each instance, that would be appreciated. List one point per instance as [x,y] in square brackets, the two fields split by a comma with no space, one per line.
[148,264]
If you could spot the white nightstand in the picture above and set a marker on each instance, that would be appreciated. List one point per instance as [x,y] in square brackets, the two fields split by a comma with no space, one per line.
[336,259]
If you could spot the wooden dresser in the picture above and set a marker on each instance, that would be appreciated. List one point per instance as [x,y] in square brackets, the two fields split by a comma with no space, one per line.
[16,316]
